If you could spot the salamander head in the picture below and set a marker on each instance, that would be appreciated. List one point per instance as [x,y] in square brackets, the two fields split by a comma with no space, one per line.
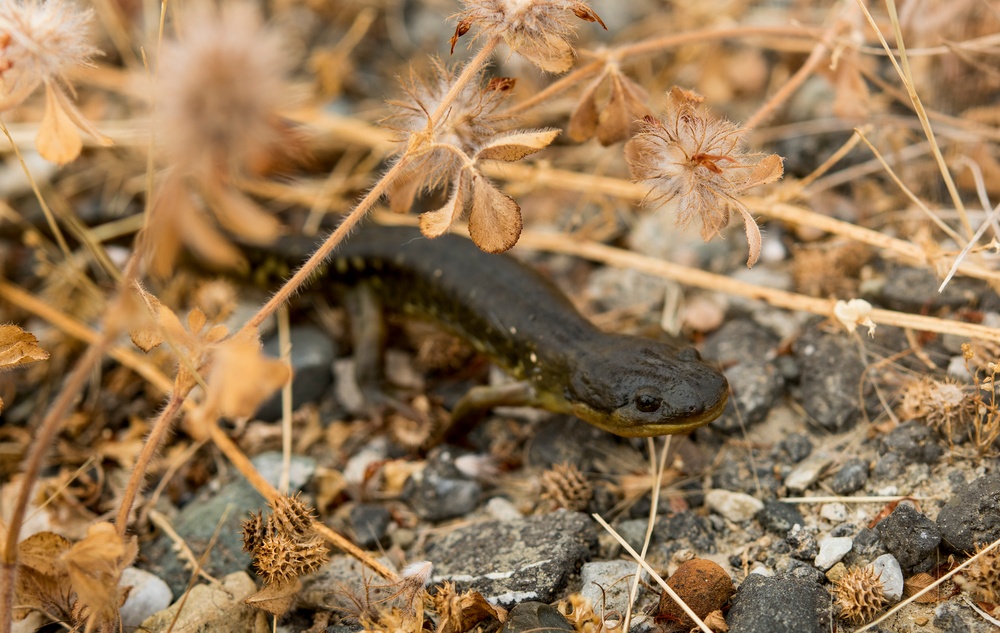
[638,387]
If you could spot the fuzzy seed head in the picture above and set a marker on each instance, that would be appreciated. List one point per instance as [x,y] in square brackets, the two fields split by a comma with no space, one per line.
[539,30]
[982,577]
[220,89]
[40,40]
[859,594]
[944,404]
[697,163]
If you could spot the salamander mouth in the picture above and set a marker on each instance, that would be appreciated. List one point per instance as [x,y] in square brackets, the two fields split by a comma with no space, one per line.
[619,424]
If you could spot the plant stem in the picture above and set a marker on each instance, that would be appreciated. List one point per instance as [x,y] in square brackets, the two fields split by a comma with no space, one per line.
[673,40]
[149,449]
[557,86]
[468,73]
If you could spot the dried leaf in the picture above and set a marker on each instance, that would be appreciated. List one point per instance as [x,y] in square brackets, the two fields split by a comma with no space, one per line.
[768,170]
[95,567]
[917,583]
[41,551]
[582,11]
[239,214]
[853,313]
[402,194]
[242,378]
[18,347]
[583,120]
[495,218]
[754,240]
[511,147]
[615,119]
[475,609]
[276,598]
[81,121]
[41,582]
[58,139]
[436,223]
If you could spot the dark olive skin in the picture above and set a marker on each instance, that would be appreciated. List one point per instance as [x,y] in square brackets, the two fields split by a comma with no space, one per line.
[627,385]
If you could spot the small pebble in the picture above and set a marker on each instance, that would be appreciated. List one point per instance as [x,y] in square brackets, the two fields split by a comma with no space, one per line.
[502,509]
[834,367]
[218,608]
[911,537]
[440,491]
[778,518]
[607,583]
[311,357]
[808,472]
[779,605]
[851,477]
[889,572]
[370,522]
[831,550]
[148,594]
[833,512]
[735,506]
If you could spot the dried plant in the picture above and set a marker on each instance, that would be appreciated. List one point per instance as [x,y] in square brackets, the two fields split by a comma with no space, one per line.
[17,348]
[565,485]
[945,405]
[220,92]
[696,163]
[452,150]
[284,547]
[95,567]
[982,578]
[859,594]
[538,30]
[40,42]
[610,108]
[457,613]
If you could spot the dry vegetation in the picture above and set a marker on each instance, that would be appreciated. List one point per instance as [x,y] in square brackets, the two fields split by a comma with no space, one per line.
[140,137]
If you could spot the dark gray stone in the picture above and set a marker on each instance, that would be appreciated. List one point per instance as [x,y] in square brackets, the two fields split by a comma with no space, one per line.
[369,521]
[916,290]
[440,491]
[888,467]
[851,477]
[868,544]
[513,561]
[535,616]
[797,446]
[197,522]
[911,537]
[914,442]
[802,542]
[955,617]
[747,351]
[832,368]
[686,529]
[779,605]
[778,518]
[972,516]
[312,358]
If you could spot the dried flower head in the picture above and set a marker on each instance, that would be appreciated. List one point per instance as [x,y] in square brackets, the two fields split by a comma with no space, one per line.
[40,41]
[219,94]
[859,594]
[610,108]
[450,151]
[539,30]
[696,162]
[946,405]
[982,577]
[567,487]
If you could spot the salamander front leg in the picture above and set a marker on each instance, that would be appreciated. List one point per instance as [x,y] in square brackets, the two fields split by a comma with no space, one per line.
[478,401]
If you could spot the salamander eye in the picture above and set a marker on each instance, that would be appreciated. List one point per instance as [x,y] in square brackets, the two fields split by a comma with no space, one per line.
[647,403]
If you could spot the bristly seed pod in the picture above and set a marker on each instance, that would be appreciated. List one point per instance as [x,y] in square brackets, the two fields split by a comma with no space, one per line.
[860,595]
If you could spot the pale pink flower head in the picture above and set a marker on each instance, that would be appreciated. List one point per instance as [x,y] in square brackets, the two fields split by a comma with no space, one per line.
[697,164]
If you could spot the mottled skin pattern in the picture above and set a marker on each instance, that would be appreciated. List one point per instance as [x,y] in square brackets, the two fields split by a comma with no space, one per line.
[630,386]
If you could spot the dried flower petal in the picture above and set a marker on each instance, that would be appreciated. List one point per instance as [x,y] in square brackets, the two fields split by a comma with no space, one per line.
[538,30]
[853,313]
[696,163]
[495,218]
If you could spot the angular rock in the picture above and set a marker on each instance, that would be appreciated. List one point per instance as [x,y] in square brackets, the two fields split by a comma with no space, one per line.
[833,369]
[219,609]
[914,442]
[808,472]
[779,605]
[513,561]
[851,477]
[601,582]
[891,575]
[311,357]
[831,550]
[735,506]
[440,491]
[972,516]
[778,518]
[746,349]
[911,538]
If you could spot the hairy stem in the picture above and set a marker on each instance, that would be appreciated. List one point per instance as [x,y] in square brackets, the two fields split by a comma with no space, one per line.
[563,83]
[149,449]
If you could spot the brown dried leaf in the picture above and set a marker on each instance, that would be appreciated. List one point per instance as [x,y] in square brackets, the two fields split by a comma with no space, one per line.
[240,214]
[917,583]
[241,377]
[582,11]
[436,223]
[58,139]
[515,146]
[95,567]
[754,240]
[495,219]
[768,170]
[41,551]
[615,119]
[475,609]
[716,621]
[583,120]
[402,194]
[18,347]
[71,111]
[276,598]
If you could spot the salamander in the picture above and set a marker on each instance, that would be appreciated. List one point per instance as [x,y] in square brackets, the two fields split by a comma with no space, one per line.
[627,385]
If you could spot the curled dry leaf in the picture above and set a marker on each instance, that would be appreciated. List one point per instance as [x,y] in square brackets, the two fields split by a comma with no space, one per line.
[917,583]
[495,218]
[18,347]
[57,140]
[42,583]
[276,598]
[95,566]
[622,106]
[516,145]
[436,223]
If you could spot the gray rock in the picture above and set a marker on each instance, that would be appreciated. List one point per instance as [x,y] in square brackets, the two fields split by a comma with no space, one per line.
[868,544]
[746,349]
[148,595]
[955,617]
[311,356]
[916,289]
[513,561]
[797,446]
[216,608]
[778,518]
[891,575]
[685,530]
[803,543]
[370,522]
[888,467]
[197,522]
[911,538]
[342,577]
[535,616]
[833,367]
[972,516]
[606,583]
[851,477]
[735,506]
[831,550]
[440,491]
[779,605]
[914,442]
[833,512]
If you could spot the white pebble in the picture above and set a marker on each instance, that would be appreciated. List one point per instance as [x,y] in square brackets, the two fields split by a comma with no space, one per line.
[831,550]
[735,506]
[833,512]
[887,569]
[148,595]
